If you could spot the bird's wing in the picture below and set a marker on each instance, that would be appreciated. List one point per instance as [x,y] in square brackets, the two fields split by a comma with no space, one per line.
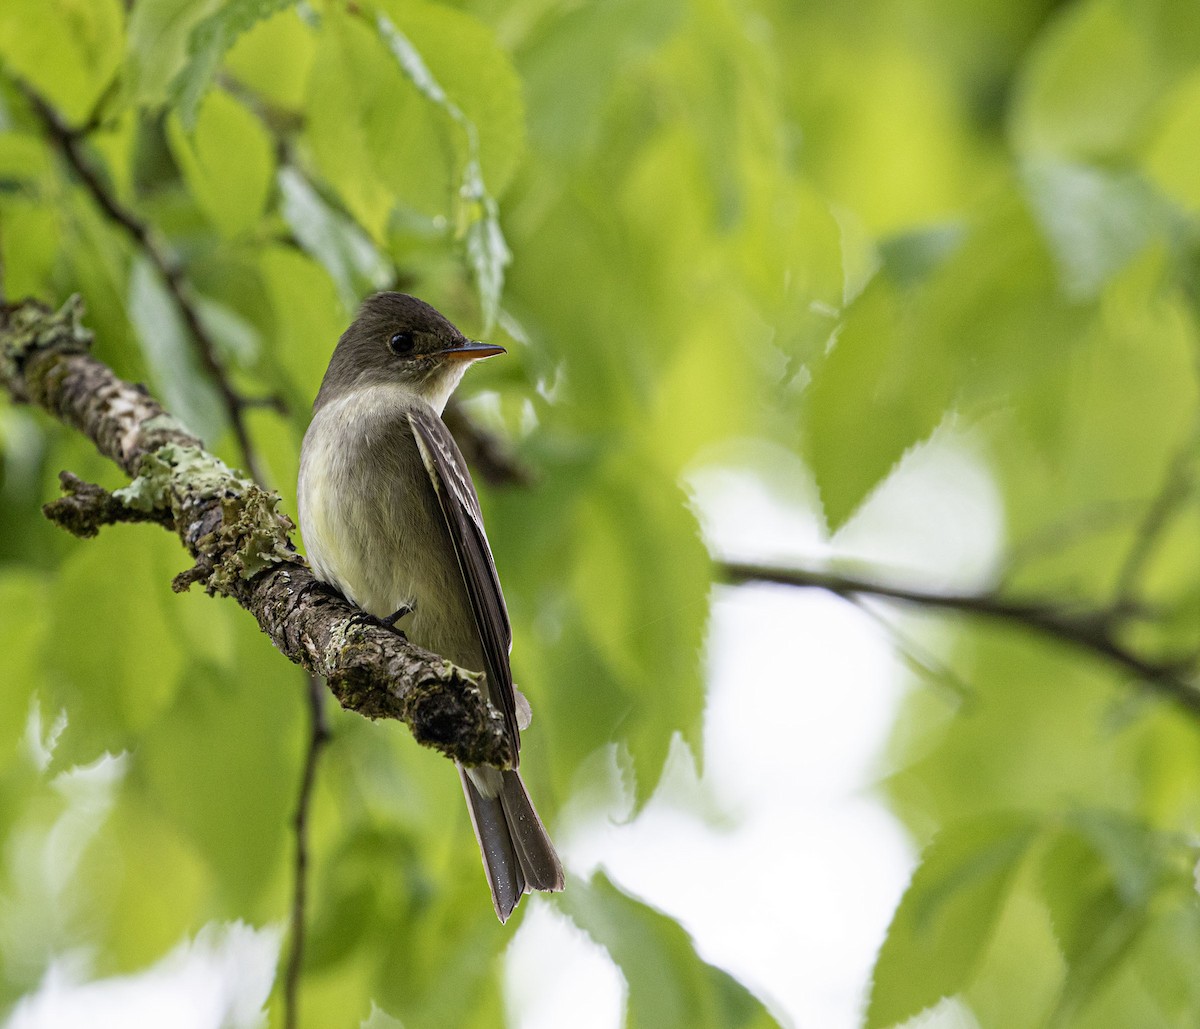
[460,509]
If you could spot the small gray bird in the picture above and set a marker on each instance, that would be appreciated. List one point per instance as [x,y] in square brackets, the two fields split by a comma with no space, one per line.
[390,517]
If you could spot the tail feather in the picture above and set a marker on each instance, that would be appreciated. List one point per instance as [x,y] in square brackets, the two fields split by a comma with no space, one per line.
[517,853]
[536,854]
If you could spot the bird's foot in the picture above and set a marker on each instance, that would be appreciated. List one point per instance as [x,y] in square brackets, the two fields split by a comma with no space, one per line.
[402,611]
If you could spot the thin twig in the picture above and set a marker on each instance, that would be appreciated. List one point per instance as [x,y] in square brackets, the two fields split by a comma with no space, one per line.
[317,739]
[935,670]
[69,143]
[1177,485]
[1093,631]
[1057,536]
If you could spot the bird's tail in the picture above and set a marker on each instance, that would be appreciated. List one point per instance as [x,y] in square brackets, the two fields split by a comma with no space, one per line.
[517,853]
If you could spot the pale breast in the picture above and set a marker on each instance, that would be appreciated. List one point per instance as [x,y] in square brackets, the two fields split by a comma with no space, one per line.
[372,525]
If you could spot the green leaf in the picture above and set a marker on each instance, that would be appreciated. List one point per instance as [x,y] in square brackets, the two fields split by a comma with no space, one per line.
[1166,956]
[486,107]
[373,133]
[228,163]
[572,60]
[30,246]
[883,388]
[380,1019]
[222,762]
[208,43]
[156,47]
[155,883]
[274,59]
[1100,877]
[456,63]
[354,908]
[911,257]
[947,916]
[1096,221]
[68,50]
[345,251]
[620,578]
[1170,154]
[25,601]
[306,316]
[171,356]
[1088,86]
[669,984]
[113,683]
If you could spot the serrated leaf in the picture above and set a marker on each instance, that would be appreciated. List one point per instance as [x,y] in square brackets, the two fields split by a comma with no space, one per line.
[228,163]
[883,388]
[946,917]
[670,985]
[1100,877]
[620,578]
[208,43]
[465,67]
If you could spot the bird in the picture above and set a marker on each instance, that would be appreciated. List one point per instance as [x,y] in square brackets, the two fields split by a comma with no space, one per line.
[390,517]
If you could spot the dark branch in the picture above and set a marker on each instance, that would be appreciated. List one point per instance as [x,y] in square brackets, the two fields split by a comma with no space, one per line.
[317,739]
[69,143]
[239,541]
[1178,484]
[1093,631]
[85,508]
[485,453]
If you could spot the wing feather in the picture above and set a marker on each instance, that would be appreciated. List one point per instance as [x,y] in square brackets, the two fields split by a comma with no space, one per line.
[464,521]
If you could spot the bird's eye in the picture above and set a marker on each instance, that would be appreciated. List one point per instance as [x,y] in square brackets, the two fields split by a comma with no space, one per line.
[401,343]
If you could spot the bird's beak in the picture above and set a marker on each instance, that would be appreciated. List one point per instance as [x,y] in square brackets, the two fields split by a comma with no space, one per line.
[471,351]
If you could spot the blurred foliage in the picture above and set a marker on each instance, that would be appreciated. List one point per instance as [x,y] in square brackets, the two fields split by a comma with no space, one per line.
[837,226]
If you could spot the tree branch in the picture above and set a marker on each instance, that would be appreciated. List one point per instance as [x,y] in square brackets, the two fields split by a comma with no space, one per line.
[1093,631]
[486,454]
[68,142]
[238,540]
[318,738]
[1177,486]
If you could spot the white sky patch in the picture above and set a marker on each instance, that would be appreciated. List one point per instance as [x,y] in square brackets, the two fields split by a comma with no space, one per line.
[781,861]
[219,980]
[584,990]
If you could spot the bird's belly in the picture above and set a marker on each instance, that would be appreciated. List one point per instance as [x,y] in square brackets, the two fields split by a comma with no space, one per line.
[375,531]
